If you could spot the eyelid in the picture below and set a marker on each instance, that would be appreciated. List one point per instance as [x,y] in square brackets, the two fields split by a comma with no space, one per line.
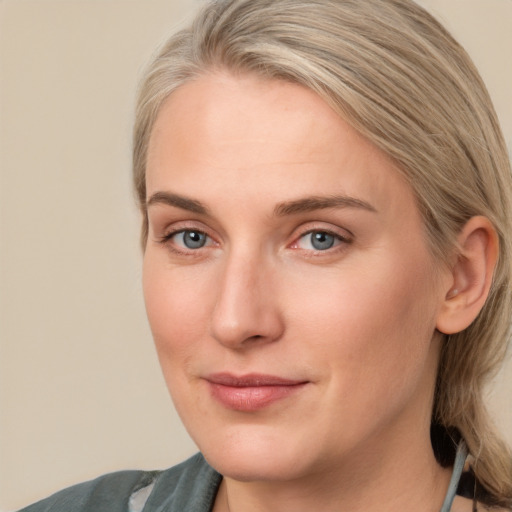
[165,238]
[167,230]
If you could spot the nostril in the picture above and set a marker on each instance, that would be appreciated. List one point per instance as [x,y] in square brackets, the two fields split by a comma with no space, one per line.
[245,314]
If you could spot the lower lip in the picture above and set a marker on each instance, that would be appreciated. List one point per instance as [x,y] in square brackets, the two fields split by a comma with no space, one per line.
[251,398]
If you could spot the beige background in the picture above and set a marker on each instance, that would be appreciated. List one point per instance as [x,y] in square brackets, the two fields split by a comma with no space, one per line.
[80,388]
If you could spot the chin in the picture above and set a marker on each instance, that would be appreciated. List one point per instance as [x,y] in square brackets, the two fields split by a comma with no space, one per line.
[246,467]
[255,456]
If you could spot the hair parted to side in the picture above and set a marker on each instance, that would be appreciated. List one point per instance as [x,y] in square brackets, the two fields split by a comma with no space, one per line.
[399,78]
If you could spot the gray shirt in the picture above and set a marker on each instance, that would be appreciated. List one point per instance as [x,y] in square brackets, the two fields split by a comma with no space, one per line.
[188,487]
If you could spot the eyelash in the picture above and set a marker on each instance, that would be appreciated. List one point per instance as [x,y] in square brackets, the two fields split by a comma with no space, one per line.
[339,240]
[167,240]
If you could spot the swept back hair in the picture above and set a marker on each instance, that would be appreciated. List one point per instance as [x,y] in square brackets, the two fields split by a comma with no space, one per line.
[398,77]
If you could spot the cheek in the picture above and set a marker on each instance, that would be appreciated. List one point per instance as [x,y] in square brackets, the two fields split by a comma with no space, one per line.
[177,309]
[370,325]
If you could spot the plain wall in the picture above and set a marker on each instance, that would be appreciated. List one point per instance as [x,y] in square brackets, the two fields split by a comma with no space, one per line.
[80,387]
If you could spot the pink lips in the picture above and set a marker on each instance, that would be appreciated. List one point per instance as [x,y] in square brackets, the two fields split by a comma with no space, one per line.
[250,392]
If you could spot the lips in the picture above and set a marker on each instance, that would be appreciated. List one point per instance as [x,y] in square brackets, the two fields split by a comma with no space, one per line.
[252,392]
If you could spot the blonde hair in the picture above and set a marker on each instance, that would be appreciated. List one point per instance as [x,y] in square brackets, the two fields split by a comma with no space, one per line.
[399,78]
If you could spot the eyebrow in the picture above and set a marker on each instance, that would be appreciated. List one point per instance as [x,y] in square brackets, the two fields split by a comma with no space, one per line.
[306,204]
[178,201]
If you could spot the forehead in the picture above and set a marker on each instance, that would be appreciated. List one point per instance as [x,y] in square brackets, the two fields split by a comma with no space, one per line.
[230,109]
[253,136]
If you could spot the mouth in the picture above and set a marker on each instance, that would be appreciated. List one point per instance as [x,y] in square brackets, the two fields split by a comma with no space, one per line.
[252,392]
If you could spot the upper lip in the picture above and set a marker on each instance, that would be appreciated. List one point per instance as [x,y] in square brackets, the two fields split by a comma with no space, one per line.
[251,380]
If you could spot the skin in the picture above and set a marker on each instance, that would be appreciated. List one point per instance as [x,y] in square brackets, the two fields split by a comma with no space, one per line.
[356,322]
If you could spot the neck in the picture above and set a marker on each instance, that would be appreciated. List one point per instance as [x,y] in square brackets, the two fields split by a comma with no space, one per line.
[370,480]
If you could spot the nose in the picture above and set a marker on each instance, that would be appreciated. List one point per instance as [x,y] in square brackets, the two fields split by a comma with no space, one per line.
[247,311]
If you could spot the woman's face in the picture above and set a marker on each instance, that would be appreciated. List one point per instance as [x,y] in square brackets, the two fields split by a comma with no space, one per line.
[288,284]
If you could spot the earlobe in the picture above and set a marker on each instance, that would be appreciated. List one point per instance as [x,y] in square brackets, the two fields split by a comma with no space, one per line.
[471,276]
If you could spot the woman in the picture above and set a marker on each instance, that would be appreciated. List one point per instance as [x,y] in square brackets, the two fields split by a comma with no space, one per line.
[325,195]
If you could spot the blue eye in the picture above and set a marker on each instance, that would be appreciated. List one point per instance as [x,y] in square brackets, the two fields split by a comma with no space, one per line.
[321,240]
[318,241]
[190,239]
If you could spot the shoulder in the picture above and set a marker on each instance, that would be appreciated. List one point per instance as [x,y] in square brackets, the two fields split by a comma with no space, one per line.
[190,486]
[108,492]
[189,482]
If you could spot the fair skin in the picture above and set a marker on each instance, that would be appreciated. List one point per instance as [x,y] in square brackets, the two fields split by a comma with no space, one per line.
[294,301]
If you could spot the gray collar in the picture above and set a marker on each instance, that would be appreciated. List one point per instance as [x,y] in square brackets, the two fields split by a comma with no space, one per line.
[458,466]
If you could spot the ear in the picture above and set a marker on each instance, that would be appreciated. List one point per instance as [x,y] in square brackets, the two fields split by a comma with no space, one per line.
[470,277]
